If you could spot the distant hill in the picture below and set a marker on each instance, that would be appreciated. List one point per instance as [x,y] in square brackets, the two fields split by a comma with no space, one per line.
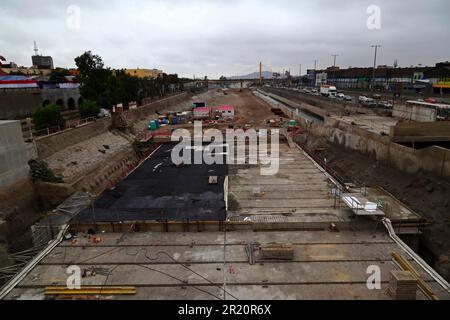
[254,75]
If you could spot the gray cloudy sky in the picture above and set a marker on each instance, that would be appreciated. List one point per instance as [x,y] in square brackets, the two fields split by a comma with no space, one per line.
[226,37]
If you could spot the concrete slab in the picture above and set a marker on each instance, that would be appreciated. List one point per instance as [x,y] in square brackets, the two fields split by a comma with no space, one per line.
[298,189]
[326,265]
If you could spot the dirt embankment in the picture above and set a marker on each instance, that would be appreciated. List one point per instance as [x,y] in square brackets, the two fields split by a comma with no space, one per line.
[427,195]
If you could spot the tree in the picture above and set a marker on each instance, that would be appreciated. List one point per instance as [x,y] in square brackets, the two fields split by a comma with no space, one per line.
[59,75]
[48,116]
[89,108]
[94,79]
[107,87]
[41,172]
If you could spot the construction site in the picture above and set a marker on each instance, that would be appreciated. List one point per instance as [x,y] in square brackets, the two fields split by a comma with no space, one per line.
[138,226]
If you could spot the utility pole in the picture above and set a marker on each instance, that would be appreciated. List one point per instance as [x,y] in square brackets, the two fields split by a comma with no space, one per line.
[260,74]
[376,46]
[315,64]
[300,71]
[334,67]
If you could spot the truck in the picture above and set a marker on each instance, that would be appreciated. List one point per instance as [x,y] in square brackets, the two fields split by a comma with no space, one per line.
[327,90]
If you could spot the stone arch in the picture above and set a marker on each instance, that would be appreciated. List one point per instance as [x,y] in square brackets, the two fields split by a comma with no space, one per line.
[71,105]
[60,102]
[46,103]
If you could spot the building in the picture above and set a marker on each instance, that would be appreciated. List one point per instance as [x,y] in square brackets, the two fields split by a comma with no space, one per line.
[321,78]
[311,75]
[202,113]
[25,71]
[386,78]
[74,72]
[20,96]
[224,111]
[15,82]
[439,77]
[42,62]
[412,79]
[144,73]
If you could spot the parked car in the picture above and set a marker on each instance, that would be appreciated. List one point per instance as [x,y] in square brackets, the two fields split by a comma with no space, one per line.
[376,97]
[348,98]
[362,98]
[367,102]
[385,104]
[430,100]
[340,96]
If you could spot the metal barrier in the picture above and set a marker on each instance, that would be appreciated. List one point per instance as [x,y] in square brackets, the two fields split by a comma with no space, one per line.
[57,129]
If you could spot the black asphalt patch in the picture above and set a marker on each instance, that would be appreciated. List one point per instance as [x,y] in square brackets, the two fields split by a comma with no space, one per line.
[158,190]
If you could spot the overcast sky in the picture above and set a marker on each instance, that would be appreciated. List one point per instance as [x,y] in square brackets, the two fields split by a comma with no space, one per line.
[225,37]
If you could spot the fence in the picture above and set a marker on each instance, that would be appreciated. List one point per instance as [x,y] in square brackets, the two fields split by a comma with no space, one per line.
[57,129]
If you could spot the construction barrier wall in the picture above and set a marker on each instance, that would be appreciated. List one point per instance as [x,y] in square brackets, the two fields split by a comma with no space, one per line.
[434,159]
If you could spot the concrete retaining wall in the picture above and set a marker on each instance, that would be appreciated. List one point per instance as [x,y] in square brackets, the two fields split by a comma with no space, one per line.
[157,106]
[94,182]
[421,129]
[13,154]
[415,113]
[46,146]
[19,104]
[434,159]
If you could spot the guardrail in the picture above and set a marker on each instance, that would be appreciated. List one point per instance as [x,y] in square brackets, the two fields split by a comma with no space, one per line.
[57,129]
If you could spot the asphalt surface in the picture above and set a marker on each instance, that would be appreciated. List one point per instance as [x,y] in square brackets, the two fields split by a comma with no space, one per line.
[159,190]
